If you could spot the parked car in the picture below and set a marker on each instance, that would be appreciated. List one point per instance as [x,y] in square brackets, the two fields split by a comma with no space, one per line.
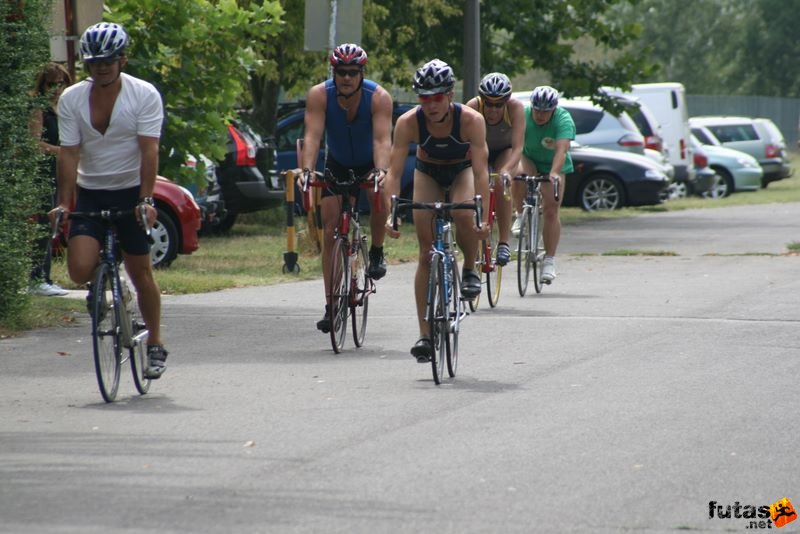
[291,127]
[735,170]
[176,226]
[611,179]
[705,177]
[758,137]
[596,127]
[246,176]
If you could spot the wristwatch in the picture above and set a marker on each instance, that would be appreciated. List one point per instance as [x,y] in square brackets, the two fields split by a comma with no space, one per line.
[147,200]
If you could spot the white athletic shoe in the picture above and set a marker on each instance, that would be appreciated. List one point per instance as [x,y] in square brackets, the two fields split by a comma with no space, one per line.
[548,269]
[515,226]
[48,290]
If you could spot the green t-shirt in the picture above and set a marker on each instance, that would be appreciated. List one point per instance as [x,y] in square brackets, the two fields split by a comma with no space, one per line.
[540,141]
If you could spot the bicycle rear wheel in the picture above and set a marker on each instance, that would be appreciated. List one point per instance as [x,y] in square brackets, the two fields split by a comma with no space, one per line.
[340,282]
[437,318]
[537,249]
[106,334]
[360,289]
[524,252]
[456,312]
[494,271]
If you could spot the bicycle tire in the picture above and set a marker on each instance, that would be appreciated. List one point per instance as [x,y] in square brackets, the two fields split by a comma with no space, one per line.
[479,262]
[340,282]
[106,334]
[456,312]
[437,318]
[494,271]
[138,352]
[537,251]
[523,252]
[361,287]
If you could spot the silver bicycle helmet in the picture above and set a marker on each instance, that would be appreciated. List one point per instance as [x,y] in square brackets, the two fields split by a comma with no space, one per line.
[104,40]
[544,98]
[434,77]
[494,86]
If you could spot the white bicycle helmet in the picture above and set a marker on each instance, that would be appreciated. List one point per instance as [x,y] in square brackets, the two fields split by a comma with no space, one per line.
[104,40]
[494,86]
[544,98]
[434,77]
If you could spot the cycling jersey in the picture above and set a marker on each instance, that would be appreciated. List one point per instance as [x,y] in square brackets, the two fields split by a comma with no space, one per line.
[443,148]
[540,141]
[350,143]
[498,136]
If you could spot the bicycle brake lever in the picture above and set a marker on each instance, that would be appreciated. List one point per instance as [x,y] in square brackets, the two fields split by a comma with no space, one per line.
[394,212]
[145,224]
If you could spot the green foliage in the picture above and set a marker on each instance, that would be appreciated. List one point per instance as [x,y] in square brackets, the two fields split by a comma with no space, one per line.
[198,53]
[24,44]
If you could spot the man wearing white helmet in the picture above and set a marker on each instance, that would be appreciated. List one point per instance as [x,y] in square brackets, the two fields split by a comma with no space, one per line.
[505,132]
[451,154]
[548,132]
[109,126]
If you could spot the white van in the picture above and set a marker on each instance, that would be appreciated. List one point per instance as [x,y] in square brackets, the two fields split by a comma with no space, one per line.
[668,102]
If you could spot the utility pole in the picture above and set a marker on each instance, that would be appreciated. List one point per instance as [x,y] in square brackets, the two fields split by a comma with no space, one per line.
[472,48]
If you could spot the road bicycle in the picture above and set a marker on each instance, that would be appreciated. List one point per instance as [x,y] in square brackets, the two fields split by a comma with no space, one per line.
[530,247]
[116,320]
[351,284]
[486,261]
[445,308]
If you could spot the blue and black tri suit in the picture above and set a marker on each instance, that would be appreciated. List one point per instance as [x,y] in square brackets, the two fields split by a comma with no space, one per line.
[349,143]
[447,148]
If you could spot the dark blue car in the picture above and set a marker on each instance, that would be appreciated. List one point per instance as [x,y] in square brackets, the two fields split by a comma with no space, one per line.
[290,128]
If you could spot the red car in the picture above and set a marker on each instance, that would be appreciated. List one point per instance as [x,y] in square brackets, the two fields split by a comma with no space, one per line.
[175,230]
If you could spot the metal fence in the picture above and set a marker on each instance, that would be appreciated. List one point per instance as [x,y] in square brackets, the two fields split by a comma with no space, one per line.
[784,112]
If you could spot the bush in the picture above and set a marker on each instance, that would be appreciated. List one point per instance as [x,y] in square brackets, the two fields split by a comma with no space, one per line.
[24,42]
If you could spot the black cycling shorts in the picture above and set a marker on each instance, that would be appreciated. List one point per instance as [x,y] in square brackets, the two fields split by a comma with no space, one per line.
[443,173]
[130,234]
[494,154]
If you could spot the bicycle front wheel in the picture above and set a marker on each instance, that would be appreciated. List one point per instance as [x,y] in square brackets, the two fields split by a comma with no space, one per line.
[493,271]
[479,263]
[524,252]
[106,334]
[456,313]
[537,249]
[340,282]
[138,351]
[360,289]
[437,317]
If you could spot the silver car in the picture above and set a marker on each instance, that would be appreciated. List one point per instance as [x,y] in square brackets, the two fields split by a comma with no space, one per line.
[758,137]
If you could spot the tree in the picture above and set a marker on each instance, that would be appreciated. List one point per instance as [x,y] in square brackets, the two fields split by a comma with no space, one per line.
[198,54]
[24,42]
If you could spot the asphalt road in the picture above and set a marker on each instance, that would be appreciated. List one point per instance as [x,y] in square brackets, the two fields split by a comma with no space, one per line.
[625,398]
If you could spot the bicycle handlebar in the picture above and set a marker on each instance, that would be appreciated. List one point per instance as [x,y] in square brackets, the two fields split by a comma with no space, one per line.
[540,178]
[104,215]
[400,203]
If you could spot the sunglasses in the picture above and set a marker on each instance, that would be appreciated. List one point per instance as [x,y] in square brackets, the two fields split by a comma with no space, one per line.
[495,105]
[349,73]
[103,61]
[438,97]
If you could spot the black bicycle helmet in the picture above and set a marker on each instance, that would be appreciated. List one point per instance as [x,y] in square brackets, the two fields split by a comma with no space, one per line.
[104,40]
[434,77]
[348,54]
[495,86]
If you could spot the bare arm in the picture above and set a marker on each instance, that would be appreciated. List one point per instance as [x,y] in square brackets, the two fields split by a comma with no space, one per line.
[381,128]
[560,157]
[68,175]
[314,126]
[474,128]
[148,171]
[517,112]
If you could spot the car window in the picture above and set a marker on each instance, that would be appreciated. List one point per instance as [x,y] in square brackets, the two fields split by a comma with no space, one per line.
[288,136]
[702,137]
[773,132]
[729,133]
[641,121]
[628,123]
[586,120]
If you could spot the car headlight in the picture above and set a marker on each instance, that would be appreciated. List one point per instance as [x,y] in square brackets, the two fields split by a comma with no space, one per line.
[747,162]
[653,174]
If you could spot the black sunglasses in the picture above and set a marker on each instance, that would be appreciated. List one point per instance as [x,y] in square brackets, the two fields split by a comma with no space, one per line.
[350,73]
[103,61]
[496,105]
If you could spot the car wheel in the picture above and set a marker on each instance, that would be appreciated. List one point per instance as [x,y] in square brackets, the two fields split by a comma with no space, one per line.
[723,184]
[600,193]
[165,241]
[226,223]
